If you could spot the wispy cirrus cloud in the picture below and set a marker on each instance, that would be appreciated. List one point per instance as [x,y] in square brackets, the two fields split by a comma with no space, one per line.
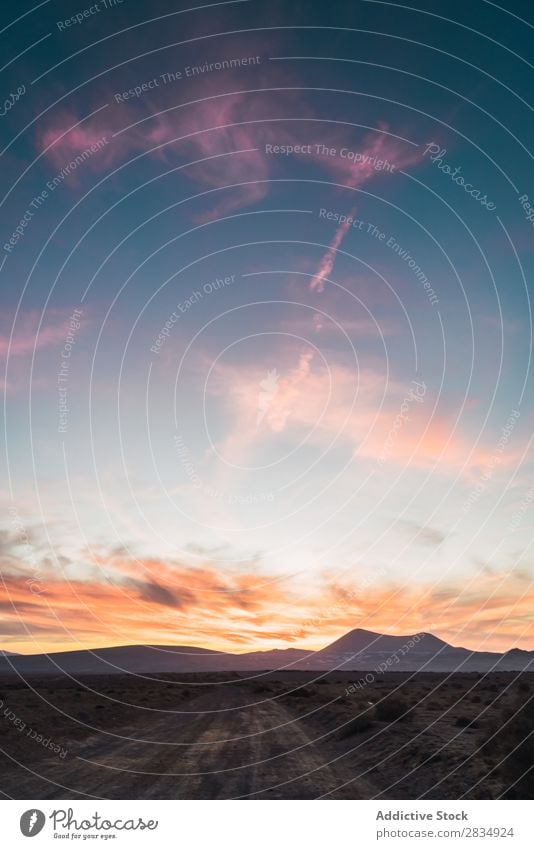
[26,335]
[377,148]
[228,130]
[327,262]
[216,131]
[32,332]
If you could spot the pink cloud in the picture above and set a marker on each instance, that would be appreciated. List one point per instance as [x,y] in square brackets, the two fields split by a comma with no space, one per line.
[226,135]
[92,140]
[18,343]
[59,140]
[27,335]
[204,131]
[329,258]
[379,155]
[309,401]
[364,410]
[219,127]
[377,150]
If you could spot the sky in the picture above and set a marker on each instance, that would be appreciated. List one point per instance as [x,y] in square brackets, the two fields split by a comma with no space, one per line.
[266,327]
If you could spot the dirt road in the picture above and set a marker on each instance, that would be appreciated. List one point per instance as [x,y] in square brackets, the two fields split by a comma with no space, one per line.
[220,749]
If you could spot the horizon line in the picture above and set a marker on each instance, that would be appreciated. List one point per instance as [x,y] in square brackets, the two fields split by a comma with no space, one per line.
[250,650]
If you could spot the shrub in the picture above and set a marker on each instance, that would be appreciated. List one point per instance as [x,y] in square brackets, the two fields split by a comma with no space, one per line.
[356,725]
[390,709]
[299,693]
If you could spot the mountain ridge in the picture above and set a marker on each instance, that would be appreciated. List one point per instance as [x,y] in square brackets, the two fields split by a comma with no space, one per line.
[358,649]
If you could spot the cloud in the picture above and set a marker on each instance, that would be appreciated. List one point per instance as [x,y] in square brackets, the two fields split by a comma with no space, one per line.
[365,410]
[63,141]
[327,262]
[218,127]
[27,336]
[491,614]
[424,534]
[10,628]
[430,439]
[33,332]
[215,131]
[304,387]
[209,607]
[228,131]
[377,148]
[124,599]
[151,591]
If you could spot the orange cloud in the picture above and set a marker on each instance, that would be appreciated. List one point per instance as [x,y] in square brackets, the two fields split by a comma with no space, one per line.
[137,601]
[156,602]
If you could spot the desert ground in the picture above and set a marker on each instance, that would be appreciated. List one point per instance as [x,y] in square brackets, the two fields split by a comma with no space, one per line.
[268,735]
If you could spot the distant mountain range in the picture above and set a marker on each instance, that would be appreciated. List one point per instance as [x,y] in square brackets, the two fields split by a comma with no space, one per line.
[359,650]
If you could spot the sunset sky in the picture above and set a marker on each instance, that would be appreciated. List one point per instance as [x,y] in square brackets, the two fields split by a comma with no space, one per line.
[266,324]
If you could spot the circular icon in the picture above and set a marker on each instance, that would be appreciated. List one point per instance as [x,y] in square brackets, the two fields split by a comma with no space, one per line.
[32,822]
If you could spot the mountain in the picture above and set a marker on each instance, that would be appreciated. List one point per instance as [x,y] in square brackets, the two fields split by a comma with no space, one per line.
[117,659]
[359,650]
[360,640]
[367,650]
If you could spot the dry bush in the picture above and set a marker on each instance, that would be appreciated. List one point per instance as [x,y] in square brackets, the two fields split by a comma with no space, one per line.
[300,693]
[358,724]
[393,708]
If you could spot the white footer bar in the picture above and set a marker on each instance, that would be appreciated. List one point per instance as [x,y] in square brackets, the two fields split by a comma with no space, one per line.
[254,824]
